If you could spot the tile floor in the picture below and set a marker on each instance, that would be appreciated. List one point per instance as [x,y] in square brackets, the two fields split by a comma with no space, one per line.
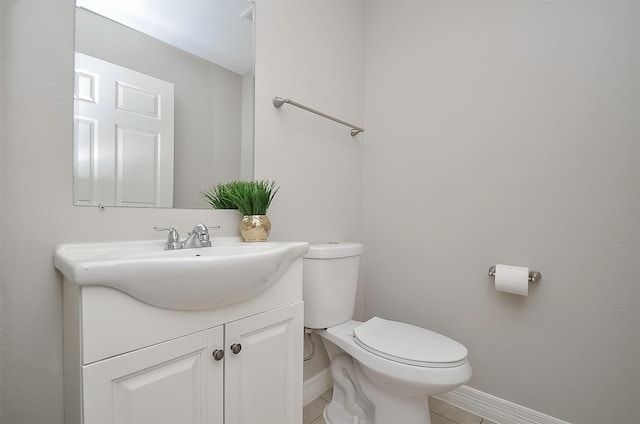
[441,412]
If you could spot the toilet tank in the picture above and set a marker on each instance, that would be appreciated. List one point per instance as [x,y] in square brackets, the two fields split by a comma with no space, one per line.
[329,283]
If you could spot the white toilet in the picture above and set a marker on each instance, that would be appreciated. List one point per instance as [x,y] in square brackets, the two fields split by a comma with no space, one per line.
[382,370]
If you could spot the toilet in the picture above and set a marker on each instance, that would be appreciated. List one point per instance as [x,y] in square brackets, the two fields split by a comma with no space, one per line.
[382,370]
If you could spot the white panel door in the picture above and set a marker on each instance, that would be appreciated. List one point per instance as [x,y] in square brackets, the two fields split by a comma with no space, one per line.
[263,381]
[178,381]
[124,136]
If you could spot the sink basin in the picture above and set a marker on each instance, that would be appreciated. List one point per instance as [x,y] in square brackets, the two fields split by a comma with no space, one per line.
[186,279]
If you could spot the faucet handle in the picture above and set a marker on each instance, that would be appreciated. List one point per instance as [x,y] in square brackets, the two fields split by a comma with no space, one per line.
[203,234]
[173,239]
[201,228]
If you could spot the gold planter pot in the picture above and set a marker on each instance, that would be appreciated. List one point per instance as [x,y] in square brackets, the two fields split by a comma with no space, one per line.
[255,228]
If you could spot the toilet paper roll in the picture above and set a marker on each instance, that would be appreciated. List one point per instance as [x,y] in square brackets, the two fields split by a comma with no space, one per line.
[512,279]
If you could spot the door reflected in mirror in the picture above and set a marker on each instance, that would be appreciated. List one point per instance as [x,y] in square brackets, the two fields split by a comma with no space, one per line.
[204,50]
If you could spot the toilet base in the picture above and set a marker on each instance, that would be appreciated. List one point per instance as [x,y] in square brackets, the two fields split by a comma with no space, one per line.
[334,413]
[349,406]
[410,411]
[390,407]
[418,413]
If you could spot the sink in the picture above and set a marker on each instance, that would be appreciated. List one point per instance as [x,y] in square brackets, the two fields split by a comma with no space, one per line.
[186,279]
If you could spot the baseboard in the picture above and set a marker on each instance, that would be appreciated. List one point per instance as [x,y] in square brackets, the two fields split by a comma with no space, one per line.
[498,410]
[316,385]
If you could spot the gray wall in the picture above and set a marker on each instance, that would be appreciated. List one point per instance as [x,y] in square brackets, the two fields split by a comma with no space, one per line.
[208,102]
[319,165]
[508,132]
[471,110]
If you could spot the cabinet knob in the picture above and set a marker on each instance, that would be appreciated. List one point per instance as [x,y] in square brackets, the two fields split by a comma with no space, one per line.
[218,354]
[236,348]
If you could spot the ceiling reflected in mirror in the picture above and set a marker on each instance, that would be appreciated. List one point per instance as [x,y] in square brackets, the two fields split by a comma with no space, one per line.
[210,29]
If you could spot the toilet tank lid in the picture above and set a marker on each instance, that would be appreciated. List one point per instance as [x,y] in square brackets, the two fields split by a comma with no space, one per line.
[332,250]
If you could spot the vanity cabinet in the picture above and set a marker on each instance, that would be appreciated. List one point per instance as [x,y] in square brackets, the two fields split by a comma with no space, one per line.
[240,372]
[130,362]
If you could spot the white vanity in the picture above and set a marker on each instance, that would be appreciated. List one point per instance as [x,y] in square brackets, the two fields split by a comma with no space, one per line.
[215,352]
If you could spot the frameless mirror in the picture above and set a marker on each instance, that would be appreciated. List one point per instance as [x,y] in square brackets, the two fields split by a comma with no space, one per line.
[163,100]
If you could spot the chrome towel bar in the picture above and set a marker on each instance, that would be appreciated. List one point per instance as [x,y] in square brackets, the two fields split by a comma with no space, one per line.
[534,276]
[279,101]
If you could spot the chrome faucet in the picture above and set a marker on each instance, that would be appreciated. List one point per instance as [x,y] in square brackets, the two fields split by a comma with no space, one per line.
[173,239]
[198,237]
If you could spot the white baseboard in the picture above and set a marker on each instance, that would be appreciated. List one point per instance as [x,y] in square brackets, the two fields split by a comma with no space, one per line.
[498,410]
[316,385]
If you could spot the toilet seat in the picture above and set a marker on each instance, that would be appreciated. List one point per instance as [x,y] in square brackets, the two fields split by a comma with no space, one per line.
[441,379]
[409,344]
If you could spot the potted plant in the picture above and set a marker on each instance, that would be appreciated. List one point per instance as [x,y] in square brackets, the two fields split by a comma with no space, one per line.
[252,199]
[218,196]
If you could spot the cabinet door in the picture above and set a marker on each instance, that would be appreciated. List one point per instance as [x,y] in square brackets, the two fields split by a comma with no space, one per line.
[178,381]
[263,381]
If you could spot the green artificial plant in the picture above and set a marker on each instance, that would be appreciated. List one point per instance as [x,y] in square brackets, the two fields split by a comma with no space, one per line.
[249,197]
[218,196]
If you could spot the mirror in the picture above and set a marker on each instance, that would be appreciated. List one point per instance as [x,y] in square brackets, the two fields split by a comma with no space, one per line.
[202,50]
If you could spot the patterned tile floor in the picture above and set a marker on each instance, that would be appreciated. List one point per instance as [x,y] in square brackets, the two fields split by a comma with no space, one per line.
[441,412]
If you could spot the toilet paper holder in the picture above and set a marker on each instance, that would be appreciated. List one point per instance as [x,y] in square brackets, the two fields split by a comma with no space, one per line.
[534,276]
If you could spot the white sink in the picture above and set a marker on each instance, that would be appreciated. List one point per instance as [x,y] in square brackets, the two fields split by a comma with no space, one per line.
[186,279]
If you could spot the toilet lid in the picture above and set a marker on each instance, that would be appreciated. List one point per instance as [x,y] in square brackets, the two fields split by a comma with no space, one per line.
[409,344]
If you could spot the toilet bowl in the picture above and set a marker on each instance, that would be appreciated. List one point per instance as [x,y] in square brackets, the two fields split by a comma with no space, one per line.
[383,370]
[397,390]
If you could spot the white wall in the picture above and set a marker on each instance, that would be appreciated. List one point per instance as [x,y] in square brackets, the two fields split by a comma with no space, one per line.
[311,52]
[508,132]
